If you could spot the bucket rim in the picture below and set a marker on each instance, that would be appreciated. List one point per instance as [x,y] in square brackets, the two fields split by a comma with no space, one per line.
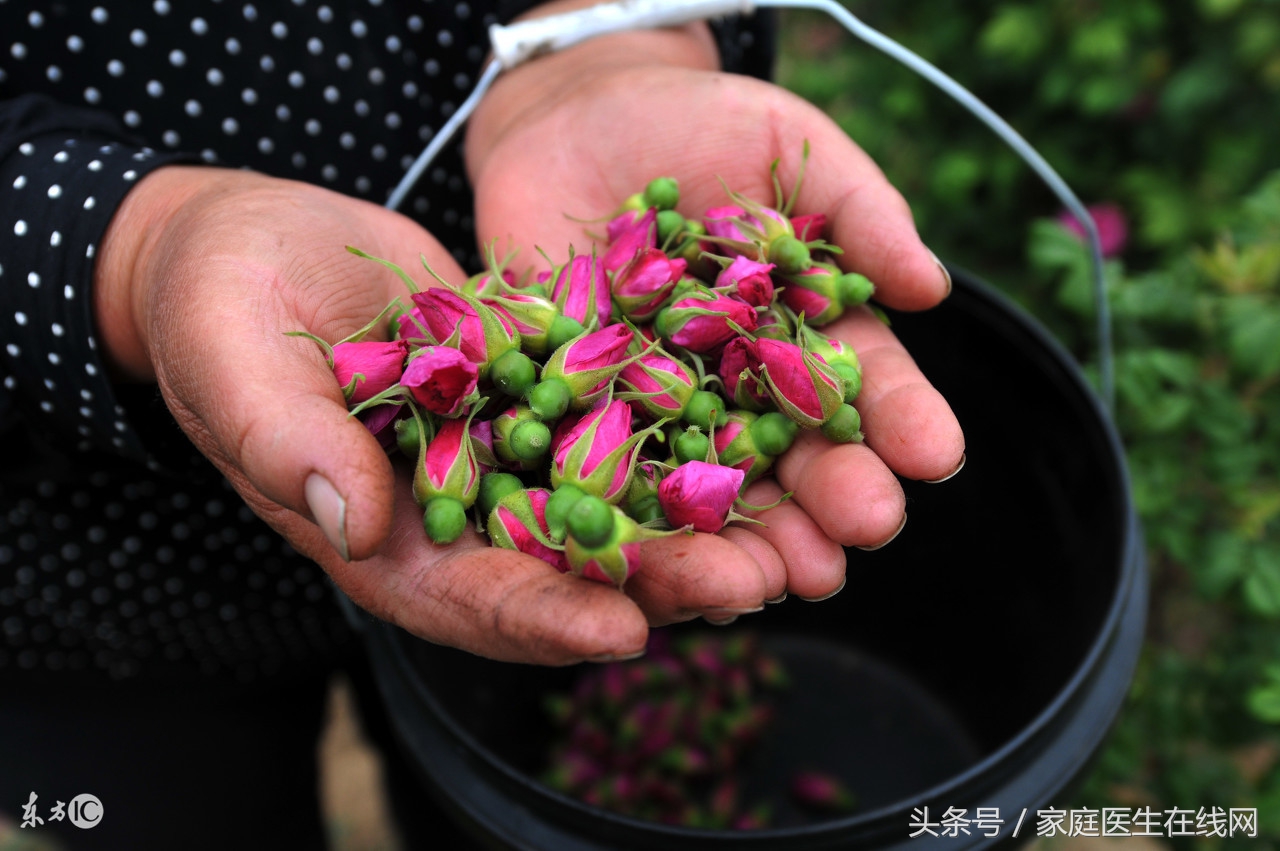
[1130,565]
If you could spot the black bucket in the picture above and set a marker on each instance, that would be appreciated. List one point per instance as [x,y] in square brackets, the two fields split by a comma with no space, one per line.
[978,661]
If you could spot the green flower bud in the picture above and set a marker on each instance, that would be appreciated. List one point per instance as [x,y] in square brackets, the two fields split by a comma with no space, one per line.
[646,510]
[549,399]
[844,426]
[562,499]
[703,405]
[692,445]
[563,329]
[408,437]
[670,225]
[854,289]
[773,433]
[444,519]
[513,373]
[590,522]
[663,193]
[520,439]
[493,487]
[789,254]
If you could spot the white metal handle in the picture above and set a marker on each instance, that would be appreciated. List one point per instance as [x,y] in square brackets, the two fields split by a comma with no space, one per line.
[516,43]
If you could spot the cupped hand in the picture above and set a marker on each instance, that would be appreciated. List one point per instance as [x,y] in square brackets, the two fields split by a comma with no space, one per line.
[201,276]
[569,136]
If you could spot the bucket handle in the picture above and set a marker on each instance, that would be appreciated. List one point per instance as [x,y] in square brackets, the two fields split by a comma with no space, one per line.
[516,43]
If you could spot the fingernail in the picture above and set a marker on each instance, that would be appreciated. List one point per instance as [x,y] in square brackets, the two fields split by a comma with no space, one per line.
[945,274]
[777,599]
[958,468]
[616,657]
[839,588]
[729,611]
[723,622]
[886,541]
[329,510]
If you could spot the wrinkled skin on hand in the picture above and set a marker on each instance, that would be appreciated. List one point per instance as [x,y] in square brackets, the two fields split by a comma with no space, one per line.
[205,270]
[621,117]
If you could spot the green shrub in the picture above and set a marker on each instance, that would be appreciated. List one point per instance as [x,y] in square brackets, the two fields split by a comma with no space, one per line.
[1168,110]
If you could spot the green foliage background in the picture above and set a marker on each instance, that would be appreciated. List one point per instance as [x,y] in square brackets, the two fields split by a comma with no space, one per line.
[1170,110]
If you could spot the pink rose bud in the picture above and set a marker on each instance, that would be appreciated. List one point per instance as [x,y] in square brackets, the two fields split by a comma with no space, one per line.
[597,451]
[628,234]
[822,292]
[841,358]
[748,280]
[657,384]
[519,522]
[813,293]
[365,369]
[643,285]
[746,228]
[412,327]
[441,379]
[700,495]
[530,314]
[447,466]
[1109,219]
[572,772]
[381,421]
[740,371]
[581,291]
[481,432]
[809,228]
[488,283]
[464,323]
[589,363]
[736,446]
[801,384]
[776,323]
[734,229]
[702,320]
[821,791]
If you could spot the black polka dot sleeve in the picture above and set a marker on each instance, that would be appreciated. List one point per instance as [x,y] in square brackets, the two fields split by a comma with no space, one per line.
[63,173]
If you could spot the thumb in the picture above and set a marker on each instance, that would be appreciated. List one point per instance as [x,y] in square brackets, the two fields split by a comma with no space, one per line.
[267,410]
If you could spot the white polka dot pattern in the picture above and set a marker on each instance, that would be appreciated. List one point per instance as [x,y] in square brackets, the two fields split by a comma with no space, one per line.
[121,551]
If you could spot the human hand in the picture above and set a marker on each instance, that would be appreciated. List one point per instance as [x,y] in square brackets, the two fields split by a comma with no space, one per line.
[572,134]
[200,277]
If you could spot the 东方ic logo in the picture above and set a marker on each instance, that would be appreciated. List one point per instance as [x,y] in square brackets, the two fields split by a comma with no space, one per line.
[85,811]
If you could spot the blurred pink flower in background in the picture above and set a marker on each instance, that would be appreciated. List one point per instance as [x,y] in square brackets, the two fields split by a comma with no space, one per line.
[1113,227]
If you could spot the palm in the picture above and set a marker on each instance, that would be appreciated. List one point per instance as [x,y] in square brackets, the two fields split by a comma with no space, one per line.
[579,152]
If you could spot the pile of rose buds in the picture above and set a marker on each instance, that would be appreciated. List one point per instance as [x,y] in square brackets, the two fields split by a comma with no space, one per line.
[668,738]
[674,737]
[622,395]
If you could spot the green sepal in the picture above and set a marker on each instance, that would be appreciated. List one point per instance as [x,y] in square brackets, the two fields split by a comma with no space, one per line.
[597,483]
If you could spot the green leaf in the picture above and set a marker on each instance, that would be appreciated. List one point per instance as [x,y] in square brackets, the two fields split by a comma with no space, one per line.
[1157,296]
[1016,33]
[1215,9]
[956,174]
[1262,585]
[1156,387]
[1264,700]
[1054,248]
[1252,326]
[1102,42]
[1195,88]
[1225,561]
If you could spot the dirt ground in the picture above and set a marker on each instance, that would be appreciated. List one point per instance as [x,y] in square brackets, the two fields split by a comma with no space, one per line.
[350,784]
